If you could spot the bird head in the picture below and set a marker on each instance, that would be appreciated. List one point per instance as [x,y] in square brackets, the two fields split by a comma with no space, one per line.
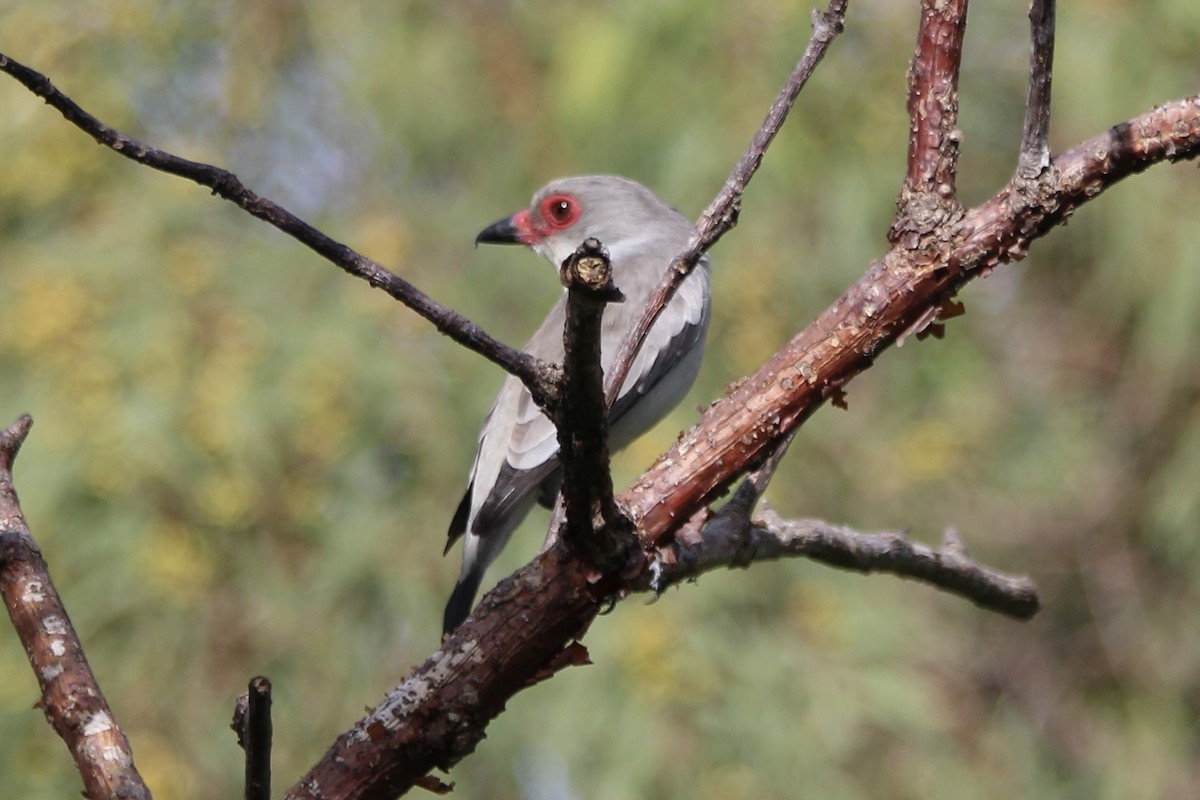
[619,212]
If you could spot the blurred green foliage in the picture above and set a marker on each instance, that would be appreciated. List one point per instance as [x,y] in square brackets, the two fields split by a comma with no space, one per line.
[244,462]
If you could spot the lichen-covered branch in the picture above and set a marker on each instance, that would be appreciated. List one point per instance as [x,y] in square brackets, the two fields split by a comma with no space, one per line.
[71,698]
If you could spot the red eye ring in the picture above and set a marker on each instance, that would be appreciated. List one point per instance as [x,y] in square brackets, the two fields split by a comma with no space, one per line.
[560,211]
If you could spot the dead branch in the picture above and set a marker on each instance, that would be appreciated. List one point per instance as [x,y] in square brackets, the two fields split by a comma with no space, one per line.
[897,295]
[71,698]
[252,724]
[581,418]
[735,540]
[539,378]
[733,537]
[722,213]
[1035,143]
[927,199]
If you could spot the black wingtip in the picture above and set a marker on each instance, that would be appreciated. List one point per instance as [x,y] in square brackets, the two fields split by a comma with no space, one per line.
[458,607]
[458,525]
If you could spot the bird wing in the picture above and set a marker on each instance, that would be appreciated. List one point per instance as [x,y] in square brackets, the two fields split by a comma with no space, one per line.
[515,471]
[680,327]
[518,446]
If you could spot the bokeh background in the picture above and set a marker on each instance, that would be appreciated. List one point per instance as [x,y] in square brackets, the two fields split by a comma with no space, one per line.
[244,461]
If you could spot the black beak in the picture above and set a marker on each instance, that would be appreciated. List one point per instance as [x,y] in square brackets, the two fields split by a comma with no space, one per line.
[501,232]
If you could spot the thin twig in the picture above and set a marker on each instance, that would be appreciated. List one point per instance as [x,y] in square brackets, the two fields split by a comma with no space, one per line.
[538,377]
[757,481]
[1035,143]
[722,213]
[771,537]
[736,513]
[71,697]
[733,538]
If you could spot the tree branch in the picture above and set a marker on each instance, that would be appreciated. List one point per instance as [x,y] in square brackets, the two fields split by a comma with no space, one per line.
[252,723]
[540,378]
[899,294]
[439,713]
[927,199]
[733,538]
[581,419]
[1035,143]
[437,716]
[736,540]
[71,699]
[722,213]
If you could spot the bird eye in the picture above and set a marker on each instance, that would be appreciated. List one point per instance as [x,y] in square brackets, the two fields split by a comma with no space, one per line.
[560,211]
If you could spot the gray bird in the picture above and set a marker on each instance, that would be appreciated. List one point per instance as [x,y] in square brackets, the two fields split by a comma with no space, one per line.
[516,462]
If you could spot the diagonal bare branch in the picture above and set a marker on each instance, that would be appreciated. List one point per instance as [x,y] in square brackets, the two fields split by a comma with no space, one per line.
[722,213]
[538,377]
[71,697]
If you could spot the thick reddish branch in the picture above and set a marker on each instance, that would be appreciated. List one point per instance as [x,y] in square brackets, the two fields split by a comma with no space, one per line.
[895,295]
[927,198]
[520,632]
[933,95]
[517,636]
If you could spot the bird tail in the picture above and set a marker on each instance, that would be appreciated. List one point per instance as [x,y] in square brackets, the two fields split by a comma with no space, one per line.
[484,540]
[458,607]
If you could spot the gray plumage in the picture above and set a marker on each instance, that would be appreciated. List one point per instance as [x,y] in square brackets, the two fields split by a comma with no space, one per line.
[516,462]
